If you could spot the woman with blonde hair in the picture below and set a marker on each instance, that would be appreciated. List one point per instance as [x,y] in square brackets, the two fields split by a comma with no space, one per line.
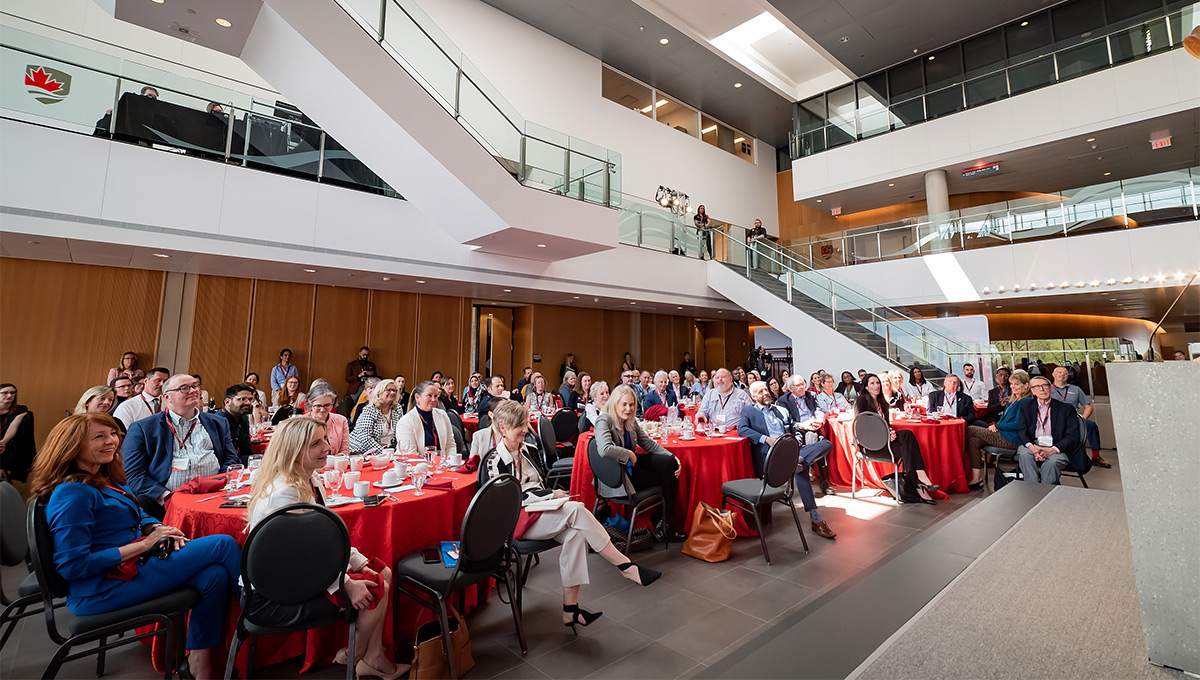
[618,435]
[95,519]
[571,524]
[376,423]
[98,399]
[287,476]
[425,425]
[568,390]
[1003,433]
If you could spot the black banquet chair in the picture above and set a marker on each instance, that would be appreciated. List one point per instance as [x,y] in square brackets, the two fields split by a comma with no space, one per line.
[168,611]
[527,548]
[558,470]
[291,557]
[758,495]
[14,550]
[460,433]
[613,475]
[486,532]
[871,434]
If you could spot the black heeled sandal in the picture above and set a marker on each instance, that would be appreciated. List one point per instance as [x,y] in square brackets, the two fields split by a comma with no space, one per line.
[579,617]
[646,576]
[184,670]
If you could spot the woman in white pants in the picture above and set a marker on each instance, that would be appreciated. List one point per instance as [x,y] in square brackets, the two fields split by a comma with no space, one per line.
[571,524]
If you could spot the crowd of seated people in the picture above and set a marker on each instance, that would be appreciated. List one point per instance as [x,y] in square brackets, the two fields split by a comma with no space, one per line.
[135,440]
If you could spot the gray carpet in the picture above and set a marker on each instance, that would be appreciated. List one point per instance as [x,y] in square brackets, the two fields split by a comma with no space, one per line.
[1055,598]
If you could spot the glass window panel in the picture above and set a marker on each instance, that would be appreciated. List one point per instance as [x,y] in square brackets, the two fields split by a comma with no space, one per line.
[905,81]
[1028,38]
[1121,11]
[1082,59]
[987,89]
[810,114]
[677,115]
[809,143]
[908,113]
[1031,76]
[872,106]
[1077,21]
[944,102]
[943,68]
[842,112]
[1139,41]
[743,145]
[984,54]
[717,134]
[836,136]
[616,87]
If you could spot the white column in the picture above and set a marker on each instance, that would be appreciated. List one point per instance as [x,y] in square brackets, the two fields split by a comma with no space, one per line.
[937,194]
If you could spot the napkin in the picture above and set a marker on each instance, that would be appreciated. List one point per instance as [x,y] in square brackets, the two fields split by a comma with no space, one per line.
[655,412]
[471,465]
[203,485]
[440,485]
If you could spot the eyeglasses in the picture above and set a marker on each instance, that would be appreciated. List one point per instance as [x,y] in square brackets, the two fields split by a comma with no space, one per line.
[187,389]
[323,407]
[1040,386]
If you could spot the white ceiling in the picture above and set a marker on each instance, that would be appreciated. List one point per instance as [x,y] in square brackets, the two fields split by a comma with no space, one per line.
[193,20]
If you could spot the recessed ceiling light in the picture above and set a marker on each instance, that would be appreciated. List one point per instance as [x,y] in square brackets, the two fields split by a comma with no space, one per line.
[1024,23]
[1161,277]
[161,255]
[224,22]
[737,84]
[679,308]
[818,200]
[999,306]
[1064,284]
[1094,283]
[1127,279]
[1091,139]
[710,128]
[158,2]
[664,41]
[508,290]
[987,290]
[1178,276]
[387,278]
[420,281]
[932,57]
[1107,174]
[311,271]
[739,140]
[541,245]
[891,184]
[1143,279]
[1111,282]
[1050,285]
[34,243]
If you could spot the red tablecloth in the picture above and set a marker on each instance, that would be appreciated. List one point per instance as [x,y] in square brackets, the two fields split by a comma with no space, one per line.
[471,424]
[259,443]
[942,448]
[388,531]
[705,464]
[980,410]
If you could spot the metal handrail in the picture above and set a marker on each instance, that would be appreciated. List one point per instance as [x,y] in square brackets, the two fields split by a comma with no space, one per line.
[1186,287]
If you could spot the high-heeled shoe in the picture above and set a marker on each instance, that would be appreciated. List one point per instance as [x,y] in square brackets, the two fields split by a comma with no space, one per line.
[645,576]
[184,670]
[923,494]
[927,487]
[363,668]
[341,657]
[579,617]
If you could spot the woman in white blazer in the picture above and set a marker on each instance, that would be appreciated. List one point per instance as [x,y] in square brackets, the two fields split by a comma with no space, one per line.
[425,424]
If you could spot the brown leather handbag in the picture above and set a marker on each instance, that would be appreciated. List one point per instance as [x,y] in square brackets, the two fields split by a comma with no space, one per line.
[712,534]
[429,657]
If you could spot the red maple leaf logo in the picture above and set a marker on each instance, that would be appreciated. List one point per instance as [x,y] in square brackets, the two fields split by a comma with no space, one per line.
[42,80]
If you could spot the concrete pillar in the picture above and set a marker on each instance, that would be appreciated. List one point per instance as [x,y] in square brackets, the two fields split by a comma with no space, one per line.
[937,193]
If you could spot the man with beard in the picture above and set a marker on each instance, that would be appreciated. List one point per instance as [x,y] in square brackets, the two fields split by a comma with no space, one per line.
[358,370]
[239,404]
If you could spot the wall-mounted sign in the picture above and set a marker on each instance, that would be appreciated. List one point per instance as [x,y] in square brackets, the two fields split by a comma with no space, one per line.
[836,211]
[537,358]
[976,171]
[47,85]
[1160,143]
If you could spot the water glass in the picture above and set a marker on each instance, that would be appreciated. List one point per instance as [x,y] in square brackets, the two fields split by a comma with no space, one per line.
[255,462]
[333,482]
[234,477]
[418,481]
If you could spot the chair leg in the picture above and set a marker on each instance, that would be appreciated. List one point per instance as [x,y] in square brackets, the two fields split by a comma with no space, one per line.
[753,510]
[179,633]
[1083,481]
[444,621]
[799,528]
[516,613]
[350,647]
[250,655]
[233,650]
[13,612]
[629,535]
[100,658]
[56,662]
[854,478]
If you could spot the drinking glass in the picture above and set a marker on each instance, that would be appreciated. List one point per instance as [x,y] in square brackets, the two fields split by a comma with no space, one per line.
[234,477]
[430,454]
[333,480]
[255,462]
[418,480]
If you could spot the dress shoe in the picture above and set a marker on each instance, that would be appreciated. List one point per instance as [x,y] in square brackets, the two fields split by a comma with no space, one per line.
[663,533]
[1099,460]
[822,529]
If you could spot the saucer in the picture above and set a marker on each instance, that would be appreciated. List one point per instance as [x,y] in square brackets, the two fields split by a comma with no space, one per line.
[381,485]
[687,439]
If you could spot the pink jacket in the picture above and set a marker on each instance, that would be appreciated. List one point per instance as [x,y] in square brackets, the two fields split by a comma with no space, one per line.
[337,430]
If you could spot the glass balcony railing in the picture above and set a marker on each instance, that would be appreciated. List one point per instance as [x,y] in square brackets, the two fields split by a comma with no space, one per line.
[1067,41]
[537,156]
[70,87]
[1142,201]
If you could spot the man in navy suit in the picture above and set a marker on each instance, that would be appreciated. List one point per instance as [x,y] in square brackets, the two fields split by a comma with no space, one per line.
[178,444]
[660,394]
[1049,430]
[802,406]
[951,402]
[763,423]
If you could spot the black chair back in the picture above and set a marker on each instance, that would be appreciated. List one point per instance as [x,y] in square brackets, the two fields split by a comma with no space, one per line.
[485,420]
[585,424]
[41,553]
[14,542]
[871,431]
[610,472]
[782,460]
[294,553]
[460,432]
[1079,460]
[488,526]
[548,441]
[566,426]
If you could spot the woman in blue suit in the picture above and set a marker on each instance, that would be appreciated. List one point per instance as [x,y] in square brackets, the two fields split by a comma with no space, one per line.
[100,532]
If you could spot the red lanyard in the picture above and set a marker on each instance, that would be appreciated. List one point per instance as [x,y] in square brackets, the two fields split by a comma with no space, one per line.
[1043,417]
[431,425]
[951,402]
[189,432]
[1063,393]
[152,410]
[970,385]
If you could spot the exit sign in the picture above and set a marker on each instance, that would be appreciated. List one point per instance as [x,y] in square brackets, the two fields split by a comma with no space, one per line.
[1160,143]
[981,169]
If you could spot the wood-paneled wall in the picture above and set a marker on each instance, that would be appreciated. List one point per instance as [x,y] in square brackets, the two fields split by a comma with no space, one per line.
[1047,326]
[65,325]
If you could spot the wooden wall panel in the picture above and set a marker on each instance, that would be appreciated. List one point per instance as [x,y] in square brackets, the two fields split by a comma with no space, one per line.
[737,343]
[714,345]
[66,324]
[441,343]
[392,334]
[559,330]
[523,332]
[282,317]
[221,333]
[1049,326]
[502,345]
[614,331]
[339,330]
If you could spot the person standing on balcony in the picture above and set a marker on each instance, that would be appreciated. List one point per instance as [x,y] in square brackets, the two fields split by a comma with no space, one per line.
[701,222]
[754,237]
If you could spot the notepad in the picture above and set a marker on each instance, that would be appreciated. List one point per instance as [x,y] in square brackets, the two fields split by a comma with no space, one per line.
[546,505]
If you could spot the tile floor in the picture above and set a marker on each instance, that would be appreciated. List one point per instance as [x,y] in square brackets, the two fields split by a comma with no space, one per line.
[694,615]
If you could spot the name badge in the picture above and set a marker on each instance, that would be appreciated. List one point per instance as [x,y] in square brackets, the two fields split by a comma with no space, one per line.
[179,464]
[1045,440]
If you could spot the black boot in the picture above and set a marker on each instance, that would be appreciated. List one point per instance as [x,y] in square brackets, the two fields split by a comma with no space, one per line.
[664,533]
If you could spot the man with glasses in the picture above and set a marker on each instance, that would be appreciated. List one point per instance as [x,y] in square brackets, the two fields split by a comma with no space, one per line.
[1050,434]
[148,402]
[239,404]
[169,449]
[123,387]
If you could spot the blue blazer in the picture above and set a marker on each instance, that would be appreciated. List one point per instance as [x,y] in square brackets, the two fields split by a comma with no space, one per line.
[753,426]
[965,407]
[652,399]
[1064,427]
[149,447]
[788,401]
[90,526]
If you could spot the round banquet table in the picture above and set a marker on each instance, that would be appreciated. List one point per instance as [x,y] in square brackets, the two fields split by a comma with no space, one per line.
[705,464]
[470,423]
[388,531]
[942,448]
[980,410]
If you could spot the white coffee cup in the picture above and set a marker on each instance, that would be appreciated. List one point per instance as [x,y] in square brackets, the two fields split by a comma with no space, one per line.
[342,463]
[362,489]
[390,478]
[356,463]
[350,477]
[456,459]
[400,469]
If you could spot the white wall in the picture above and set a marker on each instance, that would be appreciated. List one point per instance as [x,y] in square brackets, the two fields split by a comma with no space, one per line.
[1143,89]
[555,85]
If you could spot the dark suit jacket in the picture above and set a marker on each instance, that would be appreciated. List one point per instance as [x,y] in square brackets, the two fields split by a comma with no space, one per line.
[352,370]
[964,407]
[788,401]
[1064,427]
[149,447]
[239,432]
[652,399]
[994,406]
[753,426]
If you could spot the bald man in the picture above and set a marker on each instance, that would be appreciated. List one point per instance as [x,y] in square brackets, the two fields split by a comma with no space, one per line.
[723,403]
